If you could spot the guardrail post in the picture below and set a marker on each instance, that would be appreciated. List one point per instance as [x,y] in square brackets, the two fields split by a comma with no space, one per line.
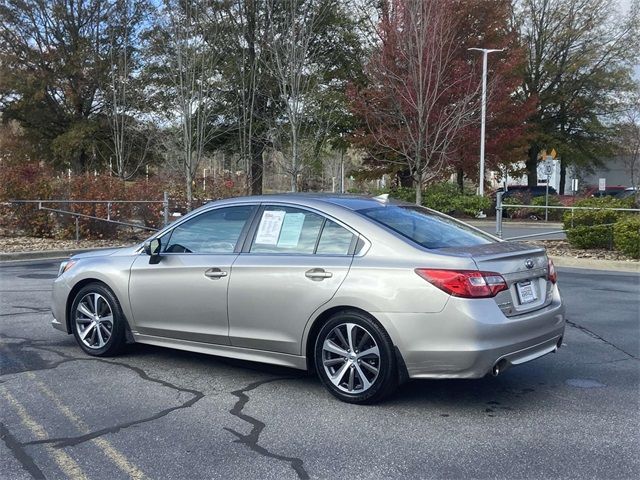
[499,214]
[77,229]
[572,210]
[108,210]
[610,237]
[165,208]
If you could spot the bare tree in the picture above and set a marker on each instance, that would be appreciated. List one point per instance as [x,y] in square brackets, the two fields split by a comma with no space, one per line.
[628,136]
[420,96]
[244,23]
[187,61]
[293,62]
[129,144]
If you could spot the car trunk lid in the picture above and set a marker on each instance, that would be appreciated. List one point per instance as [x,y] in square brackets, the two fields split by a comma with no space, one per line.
[525,269]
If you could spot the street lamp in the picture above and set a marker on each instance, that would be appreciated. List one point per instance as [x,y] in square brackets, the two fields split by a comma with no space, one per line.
[485,52]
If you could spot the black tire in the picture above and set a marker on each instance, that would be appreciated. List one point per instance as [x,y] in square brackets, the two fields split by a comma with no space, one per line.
[117,333]
[382,384]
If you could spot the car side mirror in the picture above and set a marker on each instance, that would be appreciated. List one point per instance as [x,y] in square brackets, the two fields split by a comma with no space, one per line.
[153,248]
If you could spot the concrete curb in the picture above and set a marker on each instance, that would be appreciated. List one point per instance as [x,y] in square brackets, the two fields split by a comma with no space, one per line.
[46,254]
[595,264]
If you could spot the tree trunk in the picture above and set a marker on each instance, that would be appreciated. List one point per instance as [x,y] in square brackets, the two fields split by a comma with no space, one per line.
[257,166]
[418,185]
[460,180]
[563,175]
[532,166]
[189,189]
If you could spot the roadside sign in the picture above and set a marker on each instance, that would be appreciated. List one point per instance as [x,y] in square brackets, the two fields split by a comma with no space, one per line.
[602,184]
[574,184]
[553,153]
[548,165]
[548,168]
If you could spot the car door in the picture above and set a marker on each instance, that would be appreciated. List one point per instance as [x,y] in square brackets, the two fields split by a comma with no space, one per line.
[184,295]
[295,262]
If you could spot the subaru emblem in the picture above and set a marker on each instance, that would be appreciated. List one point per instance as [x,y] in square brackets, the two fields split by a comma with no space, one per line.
[529,263]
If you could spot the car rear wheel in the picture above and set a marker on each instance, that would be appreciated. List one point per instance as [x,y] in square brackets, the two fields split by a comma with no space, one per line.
[354,358]
[97,321]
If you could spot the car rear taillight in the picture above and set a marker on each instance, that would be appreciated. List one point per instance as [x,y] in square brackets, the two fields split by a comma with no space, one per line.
[465,283]
[552,276]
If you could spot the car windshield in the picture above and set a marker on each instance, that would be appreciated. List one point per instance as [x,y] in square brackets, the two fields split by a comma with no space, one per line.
[424,227]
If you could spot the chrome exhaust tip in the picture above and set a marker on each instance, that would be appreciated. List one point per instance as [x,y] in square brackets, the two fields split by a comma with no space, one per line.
[499,367]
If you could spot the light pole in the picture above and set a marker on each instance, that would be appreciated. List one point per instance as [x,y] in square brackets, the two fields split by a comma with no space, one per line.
[485,52]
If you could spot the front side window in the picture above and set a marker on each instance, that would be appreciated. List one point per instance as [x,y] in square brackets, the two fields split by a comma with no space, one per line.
[213,232]
[426,228]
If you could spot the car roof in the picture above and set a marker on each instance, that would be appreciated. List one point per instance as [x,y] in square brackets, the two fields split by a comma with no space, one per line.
[351,202]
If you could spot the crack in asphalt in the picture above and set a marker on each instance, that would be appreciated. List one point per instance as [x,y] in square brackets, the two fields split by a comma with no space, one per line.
[598,337]
[63,442]
[20,453]
[251,440]
[75,440]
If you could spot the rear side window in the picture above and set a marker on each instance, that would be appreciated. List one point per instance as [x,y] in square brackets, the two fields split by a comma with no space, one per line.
[426,228]
[287,230]
[296,231]
[334,240]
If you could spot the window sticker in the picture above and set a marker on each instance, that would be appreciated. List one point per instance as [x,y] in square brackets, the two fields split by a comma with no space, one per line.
[291,230]
[270,226]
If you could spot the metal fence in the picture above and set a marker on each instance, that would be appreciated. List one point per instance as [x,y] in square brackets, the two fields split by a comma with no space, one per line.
[109,204]
[500,207]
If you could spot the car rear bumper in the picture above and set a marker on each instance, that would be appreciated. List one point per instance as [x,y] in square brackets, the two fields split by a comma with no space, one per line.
[470,336]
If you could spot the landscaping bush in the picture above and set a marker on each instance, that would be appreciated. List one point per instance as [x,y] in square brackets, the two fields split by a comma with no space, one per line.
[592,228]
[518,198]
[22,182]
[554,214]
[445,198]
[626,235]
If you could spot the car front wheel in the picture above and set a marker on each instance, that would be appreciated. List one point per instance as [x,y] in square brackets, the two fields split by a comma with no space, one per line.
[97,321]
[354,358]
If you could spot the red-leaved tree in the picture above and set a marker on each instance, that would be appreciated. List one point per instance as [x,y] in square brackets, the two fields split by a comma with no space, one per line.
[487,24]
[420,93]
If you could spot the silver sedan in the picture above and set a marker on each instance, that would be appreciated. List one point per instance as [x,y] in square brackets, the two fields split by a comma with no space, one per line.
[367,292]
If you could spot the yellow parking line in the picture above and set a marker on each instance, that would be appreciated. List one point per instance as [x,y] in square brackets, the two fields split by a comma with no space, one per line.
[118,458]
[67,464]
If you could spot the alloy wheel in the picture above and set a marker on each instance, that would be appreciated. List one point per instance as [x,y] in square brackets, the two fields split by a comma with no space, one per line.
[351,358]
[94,320]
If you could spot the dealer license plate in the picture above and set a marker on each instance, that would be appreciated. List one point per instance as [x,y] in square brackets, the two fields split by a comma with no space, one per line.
[526,292]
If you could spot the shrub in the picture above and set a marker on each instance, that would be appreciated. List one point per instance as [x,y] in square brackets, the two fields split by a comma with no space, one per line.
[24,182]
[592,228]
[518,198]
[626,235]
[554,214]
[445,198]
[470,205]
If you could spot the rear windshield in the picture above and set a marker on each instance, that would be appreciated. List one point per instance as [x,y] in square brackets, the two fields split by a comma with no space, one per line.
[426,228]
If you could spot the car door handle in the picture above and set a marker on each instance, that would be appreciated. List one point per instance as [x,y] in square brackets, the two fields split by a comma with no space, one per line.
[317,274]
[215,273]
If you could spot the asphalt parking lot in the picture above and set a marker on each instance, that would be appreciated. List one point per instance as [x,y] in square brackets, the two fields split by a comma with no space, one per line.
[159,413]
